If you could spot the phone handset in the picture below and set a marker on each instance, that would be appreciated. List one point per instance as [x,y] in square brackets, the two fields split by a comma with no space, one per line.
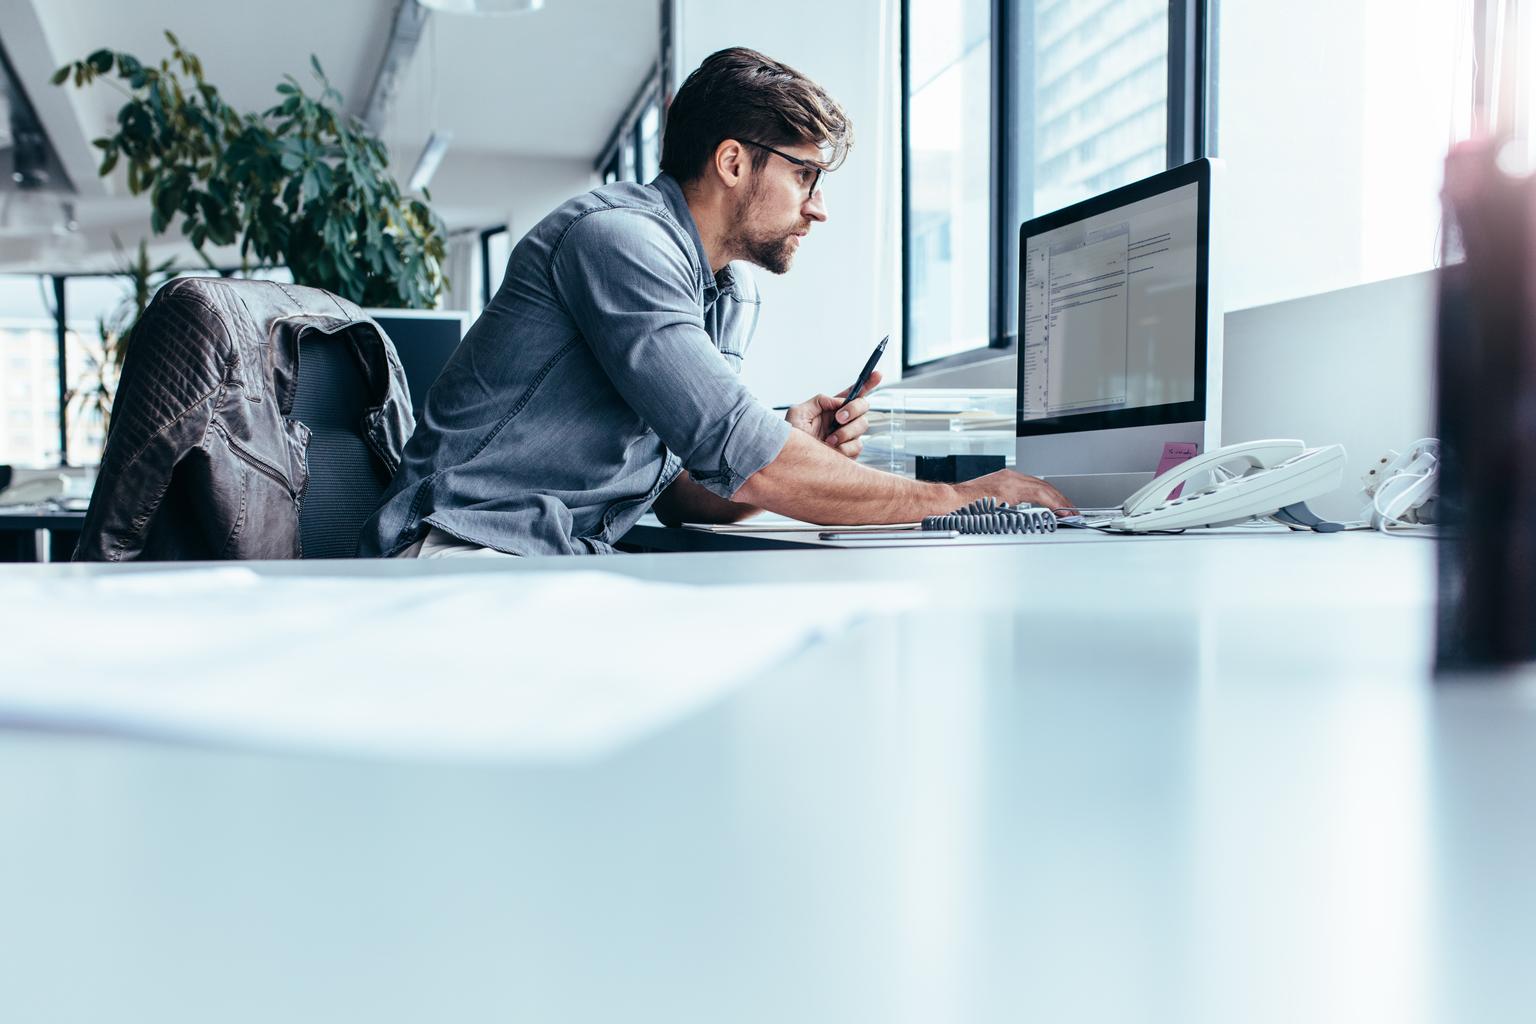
[1257,454]
[1272,475]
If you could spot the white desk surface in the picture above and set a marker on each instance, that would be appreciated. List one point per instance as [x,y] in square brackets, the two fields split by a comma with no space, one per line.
[1166,779]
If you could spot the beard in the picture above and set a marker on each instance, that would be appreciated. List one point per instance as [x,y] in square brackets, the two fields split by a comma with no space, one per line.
[773,254]
[769,248]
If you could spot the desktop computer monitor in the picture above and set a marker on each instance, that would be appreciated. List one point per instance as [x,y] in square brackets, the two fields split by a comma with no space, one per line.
[424,340]
[1119,335]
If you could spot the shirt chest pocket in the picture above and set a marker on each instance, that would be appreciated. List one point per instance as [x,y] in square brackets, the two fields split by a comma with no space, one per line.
[730,324]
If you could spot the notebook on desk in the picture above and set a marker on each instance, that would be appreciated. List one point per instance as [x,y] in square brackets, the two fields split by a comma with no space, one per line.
[772,522]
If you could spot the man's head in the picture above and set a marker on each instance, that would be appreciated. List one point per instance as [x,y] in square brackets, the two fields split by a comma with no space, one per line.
[755,136]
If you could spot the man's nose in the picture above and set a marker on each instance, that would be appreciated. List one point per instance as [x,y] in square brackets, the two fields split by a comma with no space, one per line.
[816,207]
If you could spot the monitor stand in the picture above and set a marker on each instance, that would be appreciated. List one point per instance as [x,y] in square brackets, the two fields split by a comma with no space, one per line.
[1126,459]
[1098,490]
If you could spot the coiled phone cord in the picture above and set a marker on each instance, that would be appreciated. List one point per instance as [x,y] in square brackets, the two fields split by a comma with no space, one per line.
[988,515]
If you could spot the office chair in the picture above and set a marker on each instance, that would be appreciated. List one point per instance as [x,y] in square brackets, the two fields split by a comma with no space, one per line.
[346,480]
[254,420]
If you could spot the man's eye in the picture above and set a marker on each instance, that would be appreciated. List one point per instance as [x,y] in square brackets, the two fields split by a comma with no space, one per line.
[805,176]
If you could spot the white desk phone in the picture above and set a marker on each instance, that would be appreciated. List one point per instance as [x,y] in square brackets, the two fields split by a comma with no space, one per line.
[1272,476]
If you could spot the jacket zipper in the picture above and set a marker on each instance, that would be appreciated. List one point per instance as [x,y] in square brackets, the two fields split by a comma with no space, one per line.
[253,460]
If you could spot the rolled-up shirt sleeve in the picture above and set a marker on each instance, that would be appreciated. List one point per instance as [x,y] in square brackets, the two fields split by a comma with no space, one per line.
[633,295]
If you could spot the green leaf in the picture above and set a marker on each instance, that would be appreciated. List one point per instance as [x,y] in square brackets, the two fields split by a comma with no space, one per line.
[165,200]
[60,75]
[302,184]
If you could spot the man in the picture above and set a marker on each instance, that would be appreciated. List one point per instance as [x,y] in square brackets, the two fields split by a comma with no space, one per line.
[601,379]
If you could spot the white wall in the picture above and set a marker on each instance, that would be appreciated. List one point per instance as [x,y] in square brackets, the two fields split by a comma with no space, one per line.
[1354,366]
[820,320]
[1335,140]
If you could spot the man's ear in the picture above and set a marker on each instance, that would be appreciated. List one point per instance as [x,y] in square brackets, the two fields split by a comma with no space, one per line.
[730,165]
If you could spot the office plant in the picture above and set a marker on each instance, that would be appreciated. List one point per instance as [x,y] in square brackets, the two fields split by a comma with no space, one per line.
[301,184]
[90,396]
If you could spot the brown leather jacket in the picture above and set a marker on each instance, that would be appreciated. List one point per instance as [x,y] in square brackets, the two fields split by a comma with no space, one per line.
[203,461]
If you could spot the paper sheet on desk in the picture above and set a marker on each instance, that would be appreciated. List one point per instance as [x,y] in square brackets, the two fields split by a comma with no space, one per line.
[514,665]
[773,522]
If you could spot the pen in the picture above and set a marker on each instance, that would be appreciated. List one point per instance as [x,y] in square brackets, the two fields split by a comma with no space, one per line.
[858,385]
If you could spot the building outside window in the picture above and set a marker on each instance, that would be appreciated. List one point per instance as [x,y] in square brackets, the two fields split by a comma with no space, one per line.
[1100,92]
[29,355]
[1088,114]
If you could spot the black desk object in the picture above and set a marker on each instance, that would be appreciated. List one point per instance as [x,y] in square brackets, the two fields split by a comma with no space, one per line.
[18,533]
[954,469]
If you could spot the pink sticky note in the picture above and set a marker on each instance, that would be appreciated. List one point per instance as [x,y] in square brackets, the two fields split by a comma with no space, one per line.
[1175,452]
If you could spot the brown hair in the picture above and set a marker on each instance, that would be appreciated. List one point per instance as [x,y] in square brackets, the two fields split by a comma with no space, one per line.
[741,94]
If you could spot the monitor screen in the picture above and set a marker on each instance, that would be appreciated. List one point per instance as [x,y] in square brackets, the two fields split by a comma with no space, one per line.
[1112,309]
[423,341]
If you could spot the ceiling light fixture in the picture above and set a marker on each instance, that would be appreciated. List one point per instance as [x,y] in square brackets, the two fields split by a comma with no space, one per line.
[482,6]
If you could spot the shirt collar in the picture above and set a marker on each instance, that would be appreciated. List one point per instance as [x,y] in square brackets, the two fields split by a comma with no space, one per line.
[672,192]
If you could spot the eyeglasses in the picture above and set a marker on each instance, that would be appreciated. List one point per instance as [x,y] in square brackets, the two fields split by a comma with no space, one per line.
[810,165]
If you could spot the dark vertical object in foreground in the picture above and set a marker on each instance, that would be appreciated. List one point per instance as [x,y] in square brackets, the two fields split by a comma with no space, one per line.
[1486,354]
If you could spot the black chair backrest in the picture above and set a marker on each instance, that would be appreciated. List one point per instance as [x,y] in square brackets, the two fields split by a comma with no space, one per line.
[346,480]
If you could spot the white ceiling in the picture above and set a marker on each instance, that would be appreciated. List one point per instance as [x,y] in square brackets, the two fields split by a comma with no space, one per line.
[545,86]
[549,83]
[552,83]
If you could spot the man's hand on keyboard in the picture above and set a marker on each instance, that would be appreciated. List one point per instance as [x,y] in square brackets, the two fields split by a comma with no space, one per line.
[1015,489]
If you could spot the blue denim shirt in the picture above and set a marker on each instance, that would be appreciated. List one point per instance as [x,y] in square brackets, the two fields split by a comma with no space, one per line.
[605,364]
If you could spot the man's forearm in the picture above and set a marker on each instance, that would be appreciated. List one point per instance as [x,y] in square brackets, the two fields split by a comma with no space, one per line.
[686,502]
[811,482]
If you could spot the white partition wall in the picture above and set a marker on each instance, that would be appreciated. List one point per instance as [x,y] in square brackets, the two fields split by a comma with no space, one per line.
[820,321]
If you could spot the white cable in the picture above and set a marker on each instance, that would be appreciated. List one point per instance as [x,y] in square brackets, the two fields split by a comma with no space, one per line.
[1403,483]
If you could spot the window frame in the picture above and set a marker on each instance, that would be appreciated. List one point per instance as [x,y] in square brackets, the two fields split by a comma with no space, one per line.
[1190,117]
[485,262]
[625,140]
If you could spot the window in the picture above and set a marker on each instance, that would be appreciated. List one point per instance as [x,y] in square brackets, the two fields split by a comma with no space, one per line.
[1100,97]
[648,140]
[495,250]
[1011,110]
[633,152]
[1334,177]
[97,309]
[29,347]
[949,202]
[31,308]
